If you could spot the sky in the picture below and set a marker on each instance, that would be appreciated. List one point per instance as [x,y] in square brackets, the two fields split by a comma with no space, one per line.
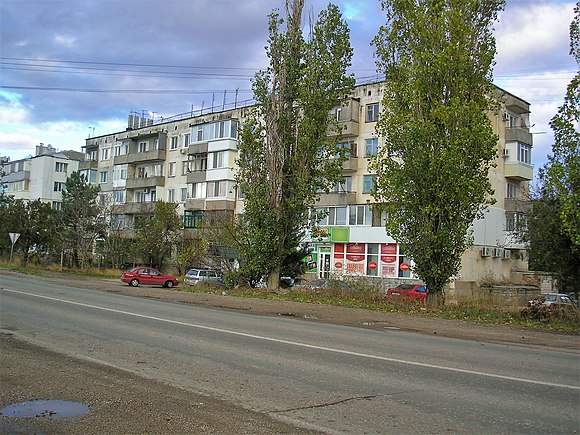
[72,69]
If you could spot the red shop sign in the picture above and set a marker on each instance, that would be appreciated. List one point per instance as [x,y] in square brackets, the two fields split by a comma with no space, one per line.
[388,258]
[404,267]
[372,265]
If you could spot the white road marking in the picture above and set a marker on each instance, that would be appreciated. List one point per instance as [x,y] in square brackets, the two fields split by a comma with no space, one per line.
[304,345]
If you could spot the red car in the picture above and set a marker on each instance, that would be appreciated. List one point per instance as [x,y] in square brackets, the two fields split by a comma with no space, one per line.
[415,292]
[148,276]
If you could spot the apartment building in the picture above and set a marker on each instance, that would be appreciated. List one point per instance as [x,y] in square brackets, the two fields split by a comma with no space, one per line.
[191,161]
[40,177]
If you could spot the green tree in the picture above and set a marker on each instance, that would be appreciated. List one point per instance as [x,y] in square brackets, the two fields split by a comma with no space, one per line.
[550,247]
[158,234]
[286,155]
[563,168]
[35,223]
[432,172]
[80,218]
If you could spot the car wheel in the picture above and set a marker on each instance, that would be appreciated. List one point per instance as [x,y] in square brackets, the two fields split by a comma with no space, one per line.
[134,282]
[169,284]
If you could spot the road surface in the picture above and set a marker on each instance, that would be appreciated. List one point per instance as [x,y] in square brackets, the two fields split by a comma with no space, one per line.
[314,376]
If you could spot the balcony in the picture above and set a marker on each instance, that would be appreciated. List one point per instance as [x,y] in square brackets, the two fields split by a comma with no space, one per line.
[518,135]
[519,171]
[220,204]
[195,204]
[196,177]
[347,129]
[517,205]
[145,182]
[135,208]
[197,148]
[88,164]
[336,199]
[147,156]
[350,164]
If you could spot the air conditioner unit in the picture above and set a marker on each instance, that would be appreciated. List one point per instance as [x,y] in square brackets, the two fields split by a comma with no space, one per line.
[507,254]
[146,191]
[486,252]
[183,151]
[498,252]
[505,152]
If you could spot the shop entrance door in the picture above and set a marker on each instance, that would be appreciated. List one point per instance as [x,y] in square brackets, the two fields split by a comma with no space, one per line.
[324,266]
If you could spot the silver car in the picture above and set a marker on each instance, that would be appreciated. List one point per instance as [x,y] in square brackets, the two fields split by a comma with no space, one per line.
[195,276]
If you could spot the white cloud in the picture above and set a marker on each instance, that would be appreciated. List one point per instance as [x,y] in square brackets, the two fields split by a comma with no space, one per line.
[67,41]
[532,32]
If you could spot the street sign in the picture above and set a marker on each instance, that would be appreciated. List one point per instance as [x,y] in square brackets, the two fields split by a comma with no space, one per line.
[14,237]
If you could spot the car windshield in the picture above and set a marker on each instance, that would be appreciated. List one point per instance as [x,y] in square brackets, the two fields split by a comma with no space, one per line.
[133,269]
[192,272]
[550,298]
[404,287]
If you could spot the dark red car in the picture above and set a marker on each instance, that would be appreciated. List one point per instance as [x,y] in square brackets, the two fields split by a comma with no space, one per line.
[148,276]
[415,292]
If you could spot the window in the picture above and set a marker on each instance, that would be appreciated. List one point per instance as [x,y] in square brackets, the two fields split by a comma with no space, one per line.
[215,130]
[142,147]
[173,144]
[158,170]
[156,144]
[511,121]
[56,205]
[372,112]
[218,159]
[348,147]
[183,194]
[343,186]
[171,195]
[186,139]
[118,197]
[198,162]
[512,191]
[359,215]
[368,183]
[193,219]
[171,169]
[216,189]
[524,153]
[139,196]
[58,186]
[120,172]
[141,172]
[103,177]
[105,154]
[337,216]
[91,155]
[515,222]
[61,167]
[371,147]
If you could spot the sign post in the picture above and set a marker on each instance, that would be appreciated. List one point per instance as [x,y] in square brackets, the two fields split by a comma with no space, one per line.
[13,239]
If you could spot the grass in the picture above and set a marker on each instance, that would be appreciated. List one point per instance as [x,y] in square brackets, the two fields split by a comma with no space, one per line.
[482,311]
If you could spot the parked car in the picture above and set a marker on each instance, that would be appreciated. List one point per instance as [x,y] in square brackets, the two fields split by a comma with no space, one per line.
[552,299]
[148,276]
[415,292]
[195,276]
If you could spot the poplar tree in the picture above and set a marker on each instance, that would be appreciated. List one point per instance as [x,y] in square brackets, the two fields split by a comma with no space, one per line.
[286,156]
[432,172]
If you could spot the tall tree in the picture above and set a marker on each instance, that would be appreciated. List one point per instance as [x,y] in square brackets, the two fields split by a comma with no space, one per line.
[36,222]
[563,168]
[80,218]
[432,172]
[286,156]
[550,247]
[157,235]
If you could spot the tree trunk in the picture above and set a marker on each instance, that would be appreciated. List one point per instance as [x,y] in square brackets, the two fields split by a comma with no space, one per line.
[436,298]
[273,282]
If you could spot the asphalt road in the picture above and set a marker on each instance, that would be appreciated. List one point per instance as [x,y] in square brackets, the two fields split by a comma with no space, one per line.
[310,375]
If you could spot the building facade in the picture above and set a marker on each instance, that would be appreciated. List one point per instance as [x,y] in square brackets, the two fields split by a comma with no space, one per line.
[192,161]
[40,177]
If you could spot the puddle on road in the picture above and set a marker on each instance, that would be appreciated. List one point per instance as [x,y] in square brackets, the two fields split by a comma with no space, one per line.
[45,408]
